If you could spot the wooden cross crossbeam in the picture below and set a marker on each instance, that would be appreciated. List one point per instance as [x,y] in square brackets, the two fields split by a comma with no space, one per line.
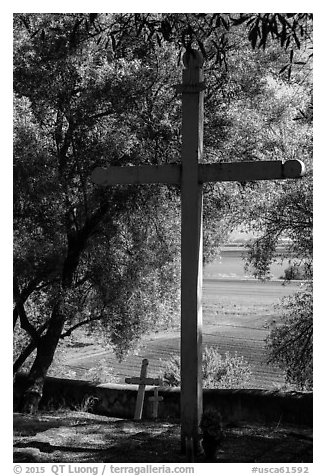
[142,381]
[191,174]
[219,172]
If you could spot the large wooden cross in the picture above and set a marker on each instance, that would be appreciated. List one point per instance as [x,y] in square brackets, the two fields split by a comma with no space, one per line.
[190,174]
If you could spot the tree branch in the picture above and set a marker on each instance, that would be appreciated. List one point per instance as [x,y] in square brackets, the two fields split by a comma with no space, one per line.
[289,342]
[79,324]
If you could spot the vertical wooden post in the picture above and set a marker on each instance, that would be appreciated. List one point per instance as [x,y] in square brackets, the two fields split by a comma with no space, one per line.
[155,399]
[141,391]
[191,246]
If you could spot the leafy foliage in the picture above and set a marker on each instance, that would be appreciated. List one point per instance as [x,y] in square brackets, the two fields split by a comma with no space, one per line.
[282,210]
[61,134]
[217,371]
[208,31]
[290,343]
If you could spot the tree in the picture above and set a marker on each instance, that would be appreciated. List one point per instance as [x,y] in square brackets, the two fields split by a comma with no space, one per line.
[84,254]
[267,117]
[290,342]
[95,90]
[282,212]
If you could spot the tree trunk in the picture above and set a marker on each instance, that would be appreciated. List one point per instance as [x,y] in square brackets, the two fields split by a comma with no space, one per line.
[47,344]
[28,350]
[44,357]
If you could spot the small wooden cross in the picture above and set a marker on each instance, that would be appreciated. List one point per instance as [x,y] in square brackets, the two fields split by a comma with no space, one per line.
[142,381]
[155,400]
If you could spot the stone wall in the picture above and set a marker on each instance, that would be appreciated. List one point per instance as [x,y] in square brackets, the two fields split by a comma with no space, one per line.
[255,406]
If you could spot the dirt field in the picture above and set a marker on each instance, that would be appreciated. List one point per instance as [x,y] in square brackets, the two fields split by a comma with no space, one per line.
[236,315]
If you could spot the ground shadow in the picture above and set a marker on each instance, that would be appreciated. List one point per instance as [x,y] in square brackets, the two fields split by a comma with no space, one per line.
[81,437]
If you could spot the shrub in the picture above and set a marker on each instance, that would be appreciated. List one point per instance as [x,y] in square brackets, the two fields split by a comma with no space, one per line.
[218,371]
[172,371]
[101,373]
[296,272]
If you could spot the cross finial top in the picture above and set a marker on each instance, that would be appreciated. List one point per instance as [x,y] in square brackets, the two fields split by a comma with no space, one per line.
[192,59]
[192,75]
